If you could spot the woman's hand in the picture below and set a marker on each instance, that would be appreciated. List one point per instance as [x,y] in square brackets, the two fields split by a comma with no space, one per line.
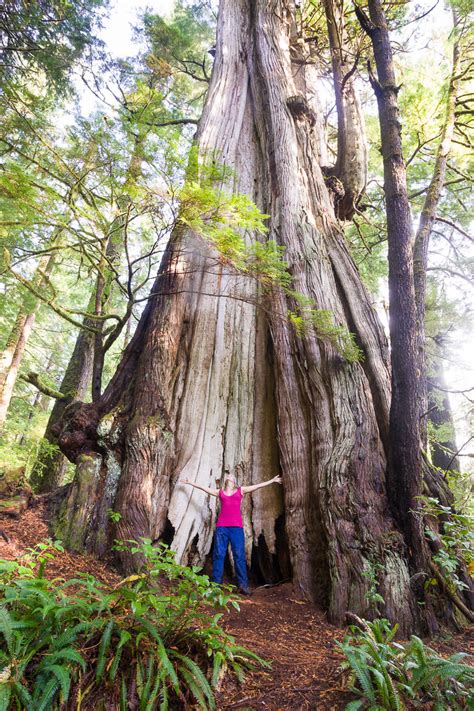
[277,479]
[212,492]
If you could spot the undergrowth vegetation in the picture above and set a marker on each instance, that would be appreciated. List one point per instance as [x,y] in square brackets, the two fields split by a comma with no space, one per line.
[149,641]
[391,676]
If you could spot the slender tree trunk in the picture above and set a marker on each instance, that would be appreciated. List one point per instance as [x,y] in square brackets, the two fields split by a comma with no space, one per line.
[405,464]
[428,216]
[12,355]
[215,376]
[443,448]
[405,474]
[114,247]
[351,162]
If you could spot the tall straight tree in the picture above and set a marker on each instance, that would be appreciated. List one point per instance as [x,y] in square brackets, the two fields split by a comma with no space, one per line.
[405,473]
[217,375]
[428,215]
[351,161]
[405,466]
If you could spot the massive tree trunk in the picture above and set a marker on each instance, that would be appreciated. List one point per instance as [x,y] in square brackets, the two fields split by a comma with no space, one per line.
[352,157]
[216,376]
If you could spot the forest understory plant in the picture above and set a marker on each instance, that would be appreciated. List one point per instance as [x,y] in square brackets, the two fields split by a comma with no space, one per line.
[453,540]
[393,676]
[151,640]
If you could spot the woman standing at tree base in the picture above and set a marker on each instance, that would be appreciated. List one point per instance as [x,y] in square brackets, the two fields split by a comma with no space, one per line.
[229,527]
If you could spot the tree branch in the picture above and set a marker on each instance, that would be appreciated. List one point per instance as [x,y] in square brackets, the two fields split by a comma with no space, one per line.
[35,379]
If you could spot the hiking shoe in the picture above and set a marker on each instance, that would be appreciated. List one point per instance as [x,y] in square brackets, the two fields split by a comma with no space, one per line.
[244,591]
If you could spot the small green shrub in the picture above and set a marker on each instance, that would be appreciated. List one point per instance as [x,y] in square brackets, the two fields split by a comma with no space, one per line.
[455,539]
[387,675]
[152,639]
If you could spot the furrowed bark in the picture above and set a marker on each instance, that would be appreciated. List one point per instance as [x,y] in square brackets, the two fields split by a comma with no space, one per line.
[326,444]
[351,163]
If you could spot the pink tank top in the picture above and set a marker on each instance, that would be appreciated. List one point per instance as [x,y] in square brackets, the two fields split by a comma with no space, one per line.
[230,509]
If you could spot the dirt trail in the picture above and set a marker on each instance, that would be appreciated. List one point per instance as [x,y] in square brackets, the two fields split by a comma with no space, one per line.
[300,642]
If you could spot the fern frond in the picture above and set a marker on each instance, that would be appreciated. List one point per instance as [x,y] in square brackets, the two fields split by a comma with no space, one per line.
[103,649]
[197,673]
[6,627]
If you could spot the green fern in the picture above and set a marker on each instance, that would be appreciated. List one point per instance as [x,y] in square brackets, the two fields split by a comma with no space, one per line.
[387,674]
[126,640]
[103,649]
[6,627]
[193,668]
[46,695]
[62,676]
[5,694]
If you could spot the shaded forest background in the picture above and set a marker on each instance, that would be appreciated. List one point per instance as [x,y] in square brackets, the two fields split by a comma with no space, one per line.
[89,201]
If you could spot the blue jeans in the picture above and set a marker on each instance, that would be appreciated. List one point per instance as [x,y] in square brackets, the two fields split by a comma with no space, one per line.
[235,536]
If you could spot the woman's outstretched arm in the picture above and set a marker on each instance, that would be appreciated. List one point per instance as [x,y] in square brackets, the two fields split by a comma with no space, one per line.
[254,487]
[212,492]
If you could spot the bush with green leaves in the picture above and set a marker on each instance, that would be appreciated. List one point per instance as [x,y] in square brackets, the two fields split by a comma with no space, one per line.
[151,640]
[454,538]
[387,675]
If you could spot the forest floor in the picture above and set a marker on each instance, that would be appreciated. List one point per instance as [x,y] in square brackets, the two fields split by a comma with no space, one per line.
[272,622]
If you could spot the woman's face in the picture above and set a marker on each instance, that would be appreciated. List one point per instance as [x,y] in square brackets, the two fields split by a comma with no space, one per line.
[229,481]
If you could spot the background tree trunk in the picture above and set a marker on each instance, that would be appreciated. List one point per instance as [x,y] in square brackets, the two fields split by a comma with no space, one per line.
[443,448]
[427,219]
[12,355]
[352,157]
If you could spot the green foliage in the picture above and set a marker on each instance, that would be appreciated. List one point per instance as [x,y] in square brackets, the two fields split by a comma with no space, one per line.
[152,639]
[322,322]
[114,516]
[46,38]
[179,47]
[390,676]
[371,574]
[224,219]
[455,538]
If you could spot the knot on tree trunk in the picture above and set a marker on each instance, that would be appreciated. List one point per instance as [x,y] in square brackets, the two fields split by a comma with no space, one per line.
[77,430]
[300,109]
[335,187]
